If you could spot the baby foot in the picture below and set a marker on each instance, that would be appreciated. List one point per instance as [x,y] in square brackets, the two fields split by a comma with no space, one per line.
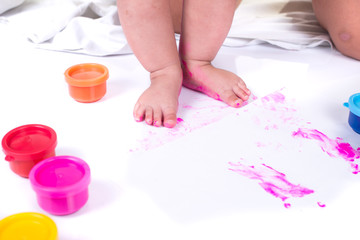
[159,103]
[217,83]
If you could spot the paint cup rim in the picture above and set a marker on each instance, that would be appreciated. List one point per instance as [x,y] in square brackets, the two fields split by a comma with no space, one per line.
[29,218]
[83,68]
[28,153]
[354,104]
[60,191]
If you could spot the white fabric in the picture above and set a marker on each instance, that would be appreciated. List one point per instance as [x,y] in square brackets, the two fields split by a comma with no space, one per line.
[287,24]
[9,4]
[93,27]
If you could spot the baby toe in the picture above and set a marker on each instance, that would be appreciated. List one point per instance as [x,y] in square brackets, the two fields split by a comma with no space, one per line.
[149,116]
[157,118]
[232,99]
[241,93]
[139,112]
[169,118]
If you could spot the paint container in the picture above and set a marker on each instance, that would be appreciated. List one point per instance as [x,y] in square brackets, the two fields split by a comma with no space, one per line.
[61,184]
[87,81]
[27,145]
[29,226]
[354,114]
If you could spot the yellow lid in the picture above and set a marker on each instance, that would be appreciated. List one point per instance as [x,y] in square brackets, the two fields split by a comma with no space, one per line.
[29,226]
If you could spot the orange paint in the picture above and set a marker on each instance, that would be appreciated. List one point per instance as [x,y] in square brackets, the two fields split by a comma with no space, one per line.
[87,81]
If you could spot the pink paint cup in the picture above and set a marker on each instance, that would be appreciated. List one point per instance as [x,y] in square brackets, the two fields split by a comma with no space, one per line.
[27,145]
[61,184]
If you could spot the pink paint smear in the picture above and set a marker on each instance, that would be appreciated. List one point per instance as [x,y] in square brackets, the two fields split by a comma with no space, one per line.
[276,97]
[333,147]
[203,112]
[272,181]
[279,112]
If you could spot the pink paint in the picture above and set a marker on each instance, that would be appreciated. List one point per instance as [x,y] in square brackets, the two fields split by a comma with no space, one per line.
[321,204]
[271,126]
[187,106]
[204,111]
[208,92]
[161,136]
[278,110]
[276,102]
[179,120]
[272,181]
[252,98]
[260,144]
[333,147]
[157,124]
[210,106]
[139,119]
[274,97]
[186,68]
[287,205]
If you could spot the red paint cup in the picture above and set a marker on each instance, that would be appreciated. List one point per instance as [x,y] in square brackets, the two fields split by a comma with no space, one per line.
[87,81]
[27,145]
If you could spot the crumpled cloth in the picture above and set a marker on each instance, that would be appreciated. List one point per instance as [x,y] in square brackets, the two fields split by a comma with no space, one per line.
[6,5]
[287,24]
[92,27]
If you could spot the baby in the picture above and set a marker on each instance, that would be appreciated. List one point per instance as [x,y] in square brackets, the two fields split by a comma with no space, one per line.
[149,27]
[204,24]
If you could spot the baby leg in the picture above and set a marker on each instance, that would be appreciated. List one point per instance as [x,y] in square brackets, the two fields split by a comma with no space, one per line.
[342,20]
[205,25]
[149,31]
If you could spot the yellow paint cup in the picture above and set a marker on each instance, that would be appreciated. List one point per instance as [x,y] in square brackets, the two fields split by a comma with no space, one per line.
[29,226]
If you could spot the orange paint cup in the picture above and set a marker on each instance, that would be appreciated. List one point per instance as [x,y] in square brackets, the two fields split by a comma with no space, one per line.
[87,81]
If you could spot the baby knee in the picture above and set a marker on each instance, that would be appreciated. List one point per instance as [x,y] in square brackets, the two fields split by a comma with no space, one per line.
[348,43]
[344,36]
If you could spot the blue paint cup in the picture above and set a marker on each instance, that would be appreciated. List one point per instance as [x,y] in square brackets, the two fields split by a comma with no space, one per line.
[354,115]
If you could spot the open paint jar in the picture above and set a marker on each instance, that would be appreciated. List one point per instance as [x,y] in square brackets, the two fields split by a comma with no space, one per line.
[354,115]
[61,184]
[29,226]
[87,81]
[27,145]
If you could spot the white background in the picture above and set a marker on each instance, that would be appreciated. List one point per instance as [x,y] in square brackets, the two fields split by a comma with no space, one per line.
[156,183]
